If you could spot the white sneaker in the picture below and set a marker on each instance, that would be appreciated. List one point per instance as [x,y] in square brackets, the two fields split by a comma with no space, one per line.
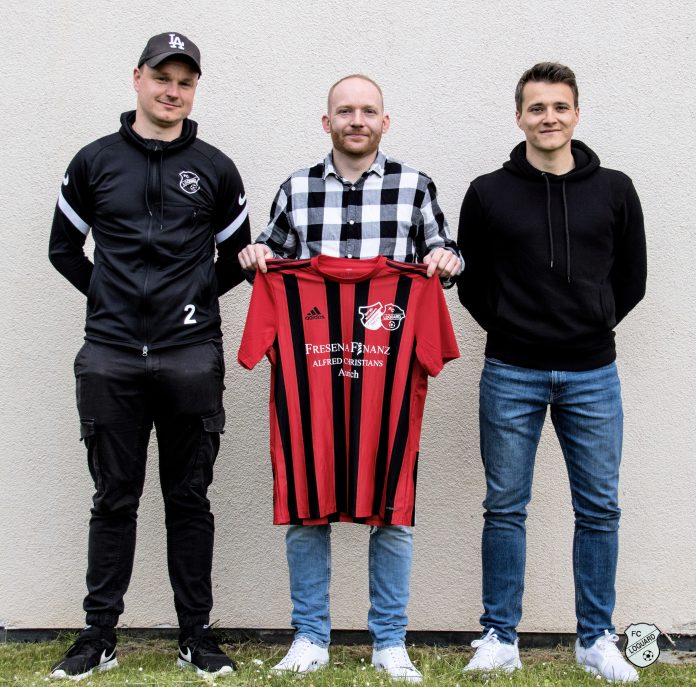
[303,657]
[491,654]
[395,661]
[603,658]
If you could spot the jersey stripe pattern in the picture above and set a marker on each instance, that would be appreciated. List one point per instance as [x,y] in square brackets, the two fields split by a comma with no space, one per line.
[351,345]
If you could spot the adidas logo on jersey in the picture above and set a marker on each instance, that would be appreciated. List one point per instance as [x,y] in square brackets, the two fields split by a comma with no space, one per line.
[314,314]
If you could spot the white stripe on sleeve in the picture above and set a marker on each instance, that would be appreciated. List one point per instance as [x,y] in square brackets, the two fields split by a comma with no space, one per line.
[229,230]
[74,218]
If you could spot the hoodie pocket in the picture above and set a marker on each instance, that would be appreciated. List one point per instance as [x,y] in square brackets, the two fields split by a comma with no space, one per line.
[607,304]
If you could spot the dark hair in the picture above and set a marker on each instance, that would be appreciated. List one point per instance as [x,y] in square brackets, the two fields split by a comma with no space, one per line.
[550,72]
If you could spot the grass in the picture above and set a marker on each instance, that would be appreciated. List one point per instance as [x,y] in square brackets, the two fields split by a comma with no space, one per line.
[151,663]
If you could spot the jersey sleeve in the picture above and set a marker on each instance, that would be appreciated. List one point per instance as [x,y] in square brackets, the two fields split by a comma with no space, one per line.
[261,323]
[230,224]
[436,343]
[72,220]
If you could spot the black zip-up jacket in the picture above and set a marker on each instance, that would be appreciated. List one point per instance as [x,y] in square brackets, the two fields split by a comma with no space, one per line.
[156,210]
[553,263]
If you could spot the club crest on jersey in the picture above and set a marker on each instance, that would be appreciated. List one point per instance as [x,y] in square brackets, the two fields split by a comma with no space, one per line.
[377,315]
[190,182]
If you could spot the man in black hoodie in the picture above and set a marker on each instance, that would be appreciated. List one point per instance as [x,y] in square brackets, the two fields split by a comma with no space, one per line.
[158,202]
[554,248]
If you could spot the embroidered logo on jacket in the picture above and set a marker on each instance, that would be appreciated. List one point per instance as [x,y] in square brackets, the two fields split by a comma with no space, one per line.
[377,315]
[190,182]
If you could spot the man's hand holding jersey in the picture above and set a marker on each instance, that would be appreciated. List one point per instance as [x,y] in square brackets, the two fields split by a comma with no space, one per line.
[254,257]
[440,261]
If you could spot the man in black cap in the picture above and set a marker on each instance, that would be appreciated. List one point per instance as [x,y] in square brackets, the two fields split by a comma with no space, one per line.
[159,202]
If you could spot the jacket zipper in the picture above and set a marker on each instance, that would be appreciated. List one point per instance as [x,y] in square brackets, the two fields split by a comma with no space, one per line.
[154,181]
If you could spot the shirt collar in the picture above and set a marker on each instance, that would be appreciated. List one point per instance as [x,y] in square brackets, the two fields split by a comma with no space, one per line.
[377,166]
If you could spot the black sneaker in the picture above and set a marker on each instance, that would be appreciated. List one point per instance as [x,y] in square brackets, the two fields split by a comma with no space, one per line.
[199,650]
[94,649]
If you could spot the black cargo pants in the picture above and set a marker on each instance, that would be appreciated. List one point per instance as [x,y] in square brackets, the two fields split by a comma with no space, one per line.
[120,395]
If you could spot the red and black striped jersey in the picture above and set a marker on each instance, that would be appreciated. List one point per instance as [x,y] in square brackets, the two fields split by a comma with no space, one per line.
[351,344]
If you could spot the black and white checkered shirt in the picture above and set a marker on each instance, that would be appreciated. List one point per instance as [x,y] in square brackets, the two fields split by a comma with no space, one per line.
[390,210]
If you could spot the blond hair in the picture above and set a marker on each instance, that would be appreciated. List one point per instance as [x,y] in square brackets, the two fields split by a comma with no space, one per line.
[353,76]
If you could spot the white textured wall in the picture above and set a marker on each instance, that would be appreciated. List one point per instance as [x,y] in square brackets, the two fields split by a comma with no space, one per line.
[448,70]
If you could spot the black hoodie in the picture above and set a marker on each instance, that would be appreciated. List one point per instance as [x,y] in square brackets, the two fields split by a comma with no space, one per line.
[156,211]
[552,263]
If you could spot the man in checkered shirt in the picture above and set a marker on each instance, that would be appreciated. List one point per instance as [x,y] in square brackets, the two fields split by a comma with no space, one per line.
[356,203]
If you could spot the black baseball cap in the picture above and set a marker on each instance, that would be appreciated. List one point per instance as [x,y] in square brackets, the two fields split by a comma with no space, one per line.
[170,44]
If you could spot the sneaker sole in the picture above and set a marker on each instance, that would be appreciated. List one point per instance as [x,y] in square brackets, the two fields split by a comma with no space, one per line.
[76,678]
[292,671]
[595,671]
[413,679]
[185,665]
[508,668]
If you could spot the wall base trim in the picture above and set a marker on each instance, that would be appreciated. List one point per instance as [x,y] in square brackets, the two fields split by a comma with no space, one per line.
[528,640]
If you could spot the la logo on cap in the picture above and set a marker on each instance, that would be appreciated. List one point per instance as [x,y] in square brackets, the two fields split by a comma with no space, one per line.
[176,42]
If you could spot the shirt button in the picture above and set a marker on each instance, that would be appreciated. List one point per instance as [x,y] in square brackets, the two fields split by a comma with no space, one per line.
[352,188]
[352,221]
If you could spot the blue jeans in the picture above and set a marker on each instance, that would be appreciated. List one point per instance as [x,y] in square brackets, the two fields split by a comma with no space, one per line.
[588,418]
[309,564]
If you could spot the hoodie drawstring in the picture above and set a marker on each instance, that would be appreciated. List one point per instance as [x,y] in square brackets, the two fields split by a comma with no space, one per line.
[550,225]
[567,231]
[548,214]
